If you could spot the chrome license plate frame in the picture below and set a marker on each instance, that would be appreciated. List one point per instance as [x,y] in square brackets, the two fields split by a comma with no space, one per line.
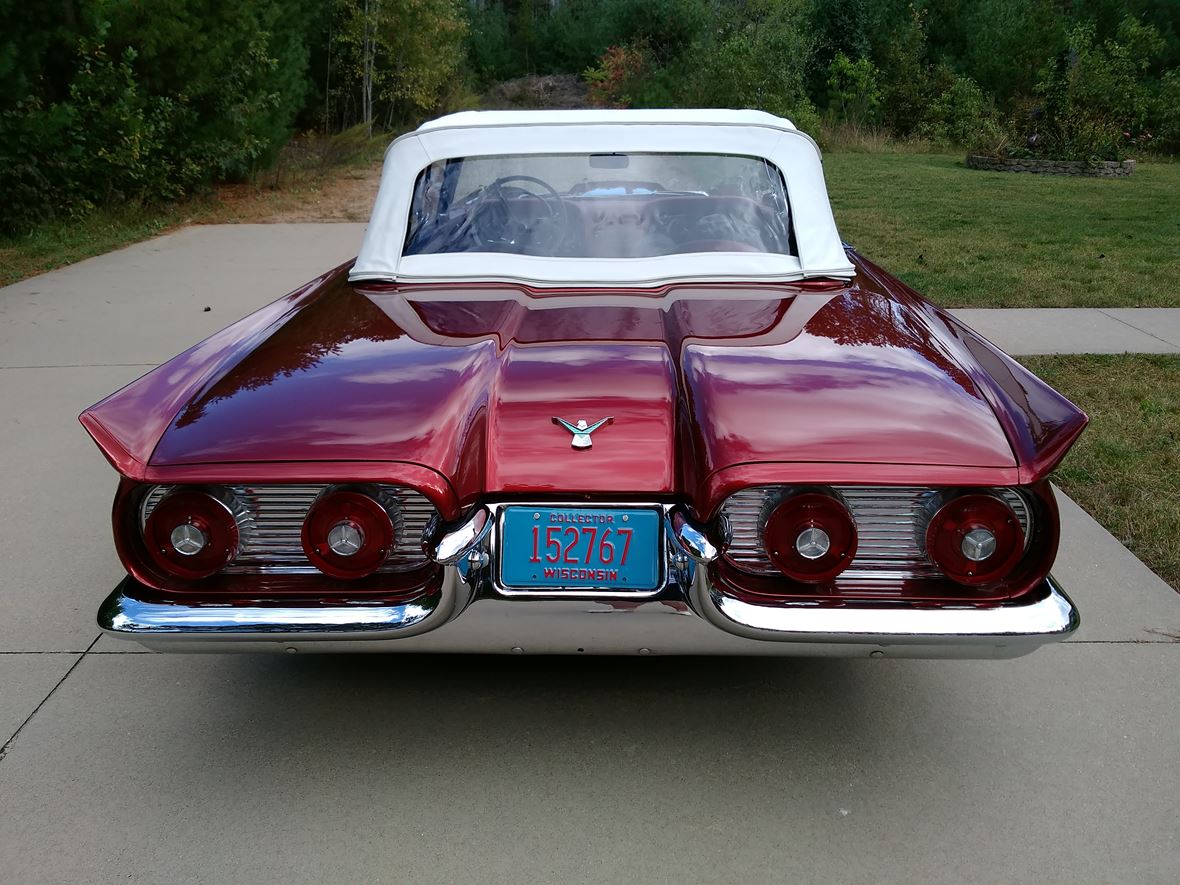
[585,574]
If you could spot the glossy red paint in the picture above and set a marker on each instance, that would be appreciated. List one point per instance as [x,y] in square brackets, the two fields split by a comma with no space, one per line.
[128,424]
[1040,423]
[711,387]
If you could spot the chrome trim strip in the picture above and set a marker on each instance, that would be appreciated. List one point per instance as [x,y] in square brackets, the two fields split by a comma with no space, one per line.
[272,524]
[891,524]
[692,539]
[608,627]
[126,615]
[691,616]
[453,544]
[1046,616]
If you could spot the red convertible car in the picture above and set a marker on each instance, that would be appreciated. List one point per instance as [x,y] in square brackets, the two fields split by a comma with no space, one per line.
[600,382]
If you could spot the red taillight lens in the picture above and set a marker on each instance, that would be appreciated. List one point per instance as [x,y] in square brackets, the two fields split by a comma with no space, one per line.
[193,534]
[975,539]
[348,533]
[810,537]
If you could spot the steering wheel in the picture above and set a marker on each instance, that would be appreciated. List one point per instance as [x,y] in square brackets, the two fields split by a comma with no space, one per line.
[493,223]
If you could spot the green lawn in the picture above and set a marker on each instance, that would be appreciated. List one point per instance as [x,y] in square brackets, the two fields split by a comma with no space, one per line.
[64,242]
[1125,469]
[993,239]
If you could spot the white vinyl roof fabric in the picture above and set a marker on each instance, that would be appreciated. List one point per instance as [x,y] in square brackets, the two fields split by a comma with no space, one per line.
[500,133]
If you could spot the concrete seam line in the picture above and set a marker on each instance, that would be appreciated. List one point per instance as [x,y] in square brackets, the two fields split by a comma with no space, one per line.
[1166,640]
[27,651]
[60,651]
[86,366]
[1137,329]
[8,744]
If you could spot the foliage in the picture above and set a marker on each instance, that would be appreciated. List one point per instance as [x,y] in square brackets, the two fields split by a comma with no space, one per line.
[236,74]
[620,72]
[512,38]
[755,56]
[853,92]
[104,144]
[121,101]
[117,102]
[1009,42]
[960,114]
[396,59]
[1095,98]
[906,85]
[1168,111]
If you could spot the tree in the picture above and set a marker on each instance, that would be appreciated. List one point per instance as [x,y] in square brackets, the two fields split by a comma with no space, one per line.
[399,56]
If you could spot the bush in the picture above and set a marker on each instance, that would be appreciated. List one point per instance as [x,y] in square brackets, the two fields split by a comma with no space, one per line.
[619,76]
[755,56]
[853,93]
[960,114]
[905,73]
[126,102]
[491,56]
[1095,98]
[1167,112]
[105,144]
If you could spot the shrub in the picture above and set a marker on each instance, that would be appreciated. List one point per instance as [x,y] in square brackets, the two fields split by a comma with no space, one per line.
[104,144]
[960,114]
[619,76]
[1167,112]
[1095,98]
[905,74]
[853,92]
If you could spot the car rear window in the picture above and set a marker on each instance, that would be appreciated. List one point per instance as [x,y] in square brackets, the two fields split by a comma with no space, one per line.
[600,205]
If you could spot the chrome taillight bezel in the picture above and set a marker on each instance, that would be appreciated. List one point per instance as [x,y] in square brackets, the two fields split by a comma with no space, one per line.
[798,510]
[374,513]
[215,512]
[943,539]
[891,556]
[270,561]
[278,510]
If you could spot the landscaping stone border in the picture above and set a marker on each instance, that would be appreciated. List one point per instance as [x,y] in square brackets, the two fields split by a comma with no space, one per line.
[1105,169]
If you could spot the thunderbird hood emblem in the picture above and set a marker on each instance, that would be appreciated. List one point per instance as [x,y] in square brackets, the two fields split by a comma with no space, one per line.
[582,430]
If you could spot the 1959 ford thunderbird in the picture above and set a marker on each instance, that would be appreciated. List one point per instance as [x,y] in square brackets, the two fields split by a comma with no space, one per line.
[601,382]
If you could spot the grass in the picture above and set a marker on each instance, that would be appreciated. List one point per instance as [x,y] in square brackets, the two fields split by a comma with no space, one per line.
[964,238]
[993,239]
[1125,469]
[306,166]
[64,242]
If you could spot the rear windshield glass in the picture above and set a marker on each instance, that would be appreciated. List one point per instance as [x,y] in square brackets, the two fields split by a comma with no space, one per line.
[599,206]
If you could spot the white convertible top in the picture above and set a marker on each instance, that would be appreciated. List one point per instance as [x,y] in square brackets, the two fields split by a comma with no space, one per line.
[499,133]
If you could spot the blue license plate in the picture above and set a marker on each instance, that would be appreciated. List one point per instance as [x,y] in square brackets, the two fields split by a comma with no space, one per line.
[580,548]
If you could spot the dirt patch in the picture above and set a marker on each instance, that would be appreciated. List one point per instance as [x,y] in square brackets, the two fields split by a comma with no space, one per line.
[552,92]
[346,195]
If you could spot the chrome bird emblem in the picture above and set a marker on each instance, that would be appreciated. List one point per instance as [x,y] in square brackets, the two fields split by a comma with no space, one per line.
[582,430]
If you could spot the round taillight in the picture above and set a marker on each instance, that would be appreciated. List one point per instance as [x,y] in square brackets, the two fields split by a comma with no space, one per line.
[810,537]
[348,533]
[975,539]
[193,533]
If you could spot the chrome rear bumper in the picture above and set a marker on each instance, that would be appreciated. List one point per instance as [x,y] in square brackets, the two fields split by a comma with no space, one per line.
[464,613]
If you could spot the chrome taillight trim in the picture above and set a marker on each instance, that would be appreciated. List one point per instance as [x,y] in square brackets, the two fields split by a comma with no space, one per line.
[890,523]
[271,545]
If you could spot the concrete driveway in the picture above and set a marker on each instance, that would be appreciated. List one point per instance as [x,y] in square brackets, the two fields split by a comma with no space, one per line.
[124,766]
